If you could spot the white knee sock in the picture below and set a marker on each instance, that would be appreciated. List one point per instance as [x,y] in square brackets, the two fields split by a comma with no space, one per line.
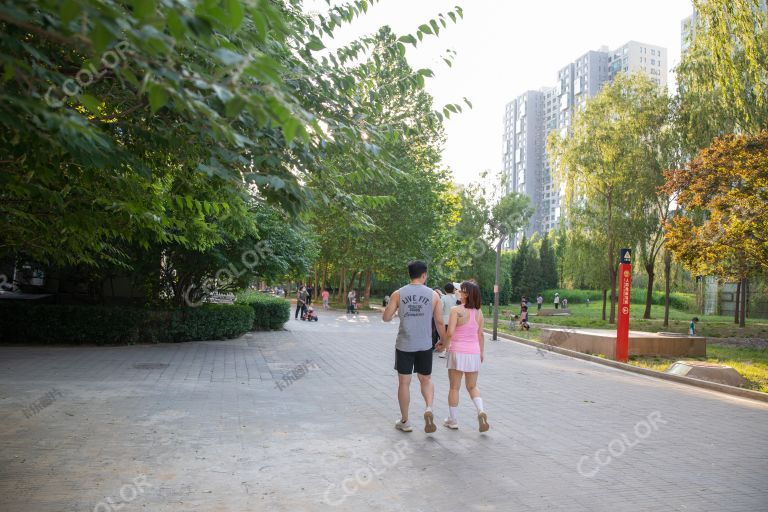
[453,413]
[479,404]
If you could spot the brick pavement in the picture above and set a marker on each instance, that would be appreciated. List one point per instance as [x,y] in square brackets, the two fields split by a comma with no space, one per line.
[213,426]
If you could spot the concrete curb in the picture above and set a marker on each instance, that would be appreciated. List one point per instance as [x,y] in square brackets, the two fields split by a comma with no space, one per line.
[712,386]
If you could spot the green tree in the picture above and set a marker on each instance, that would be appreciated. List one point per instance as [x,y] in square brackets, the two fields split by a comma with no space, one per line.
[724,75]
[508,216]
[603,162]
[548,264]
[404,208]
[105,104]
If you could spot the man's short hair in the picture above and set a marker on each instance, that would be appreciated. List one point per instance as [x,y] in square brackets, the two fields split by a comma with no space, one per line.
[416,269]
[449,288]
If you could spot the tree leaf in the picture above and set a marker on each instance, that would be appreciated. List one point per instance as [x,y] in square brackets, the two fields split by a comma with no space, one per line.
[157,97]
[89,102]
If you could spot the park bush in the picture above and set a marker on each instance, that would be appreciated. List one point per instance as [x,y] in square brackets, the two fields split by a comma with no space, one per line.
[680,301]
[78,324]
[209,322]
[270,312]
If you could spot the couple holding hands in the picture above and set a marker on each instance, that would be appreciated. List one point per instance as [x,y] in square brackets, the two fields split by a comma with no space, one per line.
[417,305]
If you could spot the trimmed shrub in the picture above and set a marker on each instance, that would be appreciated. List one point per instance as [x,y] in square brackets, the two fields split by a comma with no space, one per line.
[270,312]
[681,301]
[53,323]
[209,322]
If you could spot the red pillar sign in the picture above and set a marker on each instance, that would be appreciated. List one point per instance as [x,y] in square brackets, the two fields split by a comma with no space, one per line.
[625,290]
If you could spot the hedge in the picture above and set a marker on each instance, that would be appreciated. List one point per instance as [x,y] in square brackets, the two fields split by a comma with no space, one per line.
[53,323]
[270,312]
[681,301]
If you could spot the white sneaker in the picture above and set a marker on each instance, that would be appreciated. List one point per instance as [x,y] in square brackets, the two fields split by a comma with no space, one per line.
[452,424]
[405,427]
[482,419]
[443,354]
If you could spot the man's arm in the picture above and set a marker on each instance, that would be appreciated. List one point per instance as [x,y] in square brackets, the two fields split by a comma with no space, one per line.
[391,309]
[437,314]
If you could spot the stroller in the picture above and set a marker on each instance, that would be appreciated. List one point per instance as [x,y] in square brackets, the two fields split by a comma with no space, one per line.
[309,314]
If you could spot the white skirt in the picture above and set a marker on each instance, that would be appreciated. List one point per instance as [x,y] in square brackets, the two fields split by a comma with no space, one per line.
[463,362]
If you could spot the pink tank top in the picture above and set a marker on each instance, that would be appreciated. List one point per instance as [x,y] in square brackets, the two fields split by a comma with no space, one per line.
[465,339]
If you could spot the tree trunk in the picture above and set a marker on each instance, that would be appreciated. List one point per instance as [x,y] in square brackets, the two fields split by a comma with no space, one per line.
[360,280]
[667,272]
[743,312]
[496,290]
[367,293]
[737,301]
[649,268]
[325,275]
[351,281]
[605,299]
[613,295]
[611,257]
[747,309]
[340,294]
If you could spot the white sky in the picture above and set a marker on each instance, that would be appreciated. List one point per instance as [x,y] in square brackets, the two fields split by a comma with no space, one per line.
[505,47]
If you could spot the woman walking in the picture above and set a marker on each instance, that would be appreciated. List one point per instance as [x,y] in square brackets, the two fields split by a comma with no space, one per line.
[466,351]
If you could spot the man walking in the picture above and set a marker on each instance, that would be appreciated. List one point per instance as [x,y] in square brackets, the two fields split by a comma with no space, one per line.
[417,306]
[539,302]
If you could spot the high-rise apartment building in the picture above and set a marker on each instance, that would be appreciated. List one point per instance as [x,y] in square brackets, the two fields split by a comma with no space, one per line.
[530,117]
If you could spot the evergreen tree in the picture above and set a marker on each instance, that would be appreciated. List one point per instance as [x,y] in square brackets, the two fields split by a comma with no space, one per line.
[547,264]
[530,281]
[516,269]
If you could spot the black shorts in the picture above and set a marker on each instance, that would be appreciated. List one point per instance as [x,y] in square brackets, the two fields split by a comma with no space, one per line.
[408,362]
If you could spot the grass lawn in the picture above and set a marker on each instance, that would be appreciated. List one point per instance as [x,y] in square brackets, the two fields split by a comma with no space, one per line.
[750,361]
[710,326]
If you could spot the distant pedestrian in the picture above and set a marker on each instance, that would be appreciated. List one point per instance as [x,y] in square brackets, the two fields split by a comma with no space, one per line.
[692,326]
[557,301]
[587,301]
[448,300]
[565,303]
[301,302]
[351,302]
[524,319]
[539,302]
[309,295]
[325,295]
[386,300]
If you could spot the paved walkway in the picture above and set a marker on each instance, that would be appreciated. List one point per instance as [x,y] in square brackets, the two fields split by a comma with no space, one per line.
[214,426]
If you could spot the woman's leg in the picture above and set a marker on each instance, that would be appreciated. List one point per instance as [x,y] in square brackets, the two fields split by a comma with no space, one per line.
[454,378]
[471,381]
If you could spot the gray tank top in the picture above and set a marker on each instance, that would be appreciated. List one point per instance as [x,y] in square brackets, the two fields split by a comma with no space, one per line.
[415,311]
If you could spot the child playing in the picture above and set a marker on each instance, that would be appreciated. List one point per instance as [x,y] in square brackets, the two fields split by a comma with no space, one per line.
[524,319]
[692,326]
